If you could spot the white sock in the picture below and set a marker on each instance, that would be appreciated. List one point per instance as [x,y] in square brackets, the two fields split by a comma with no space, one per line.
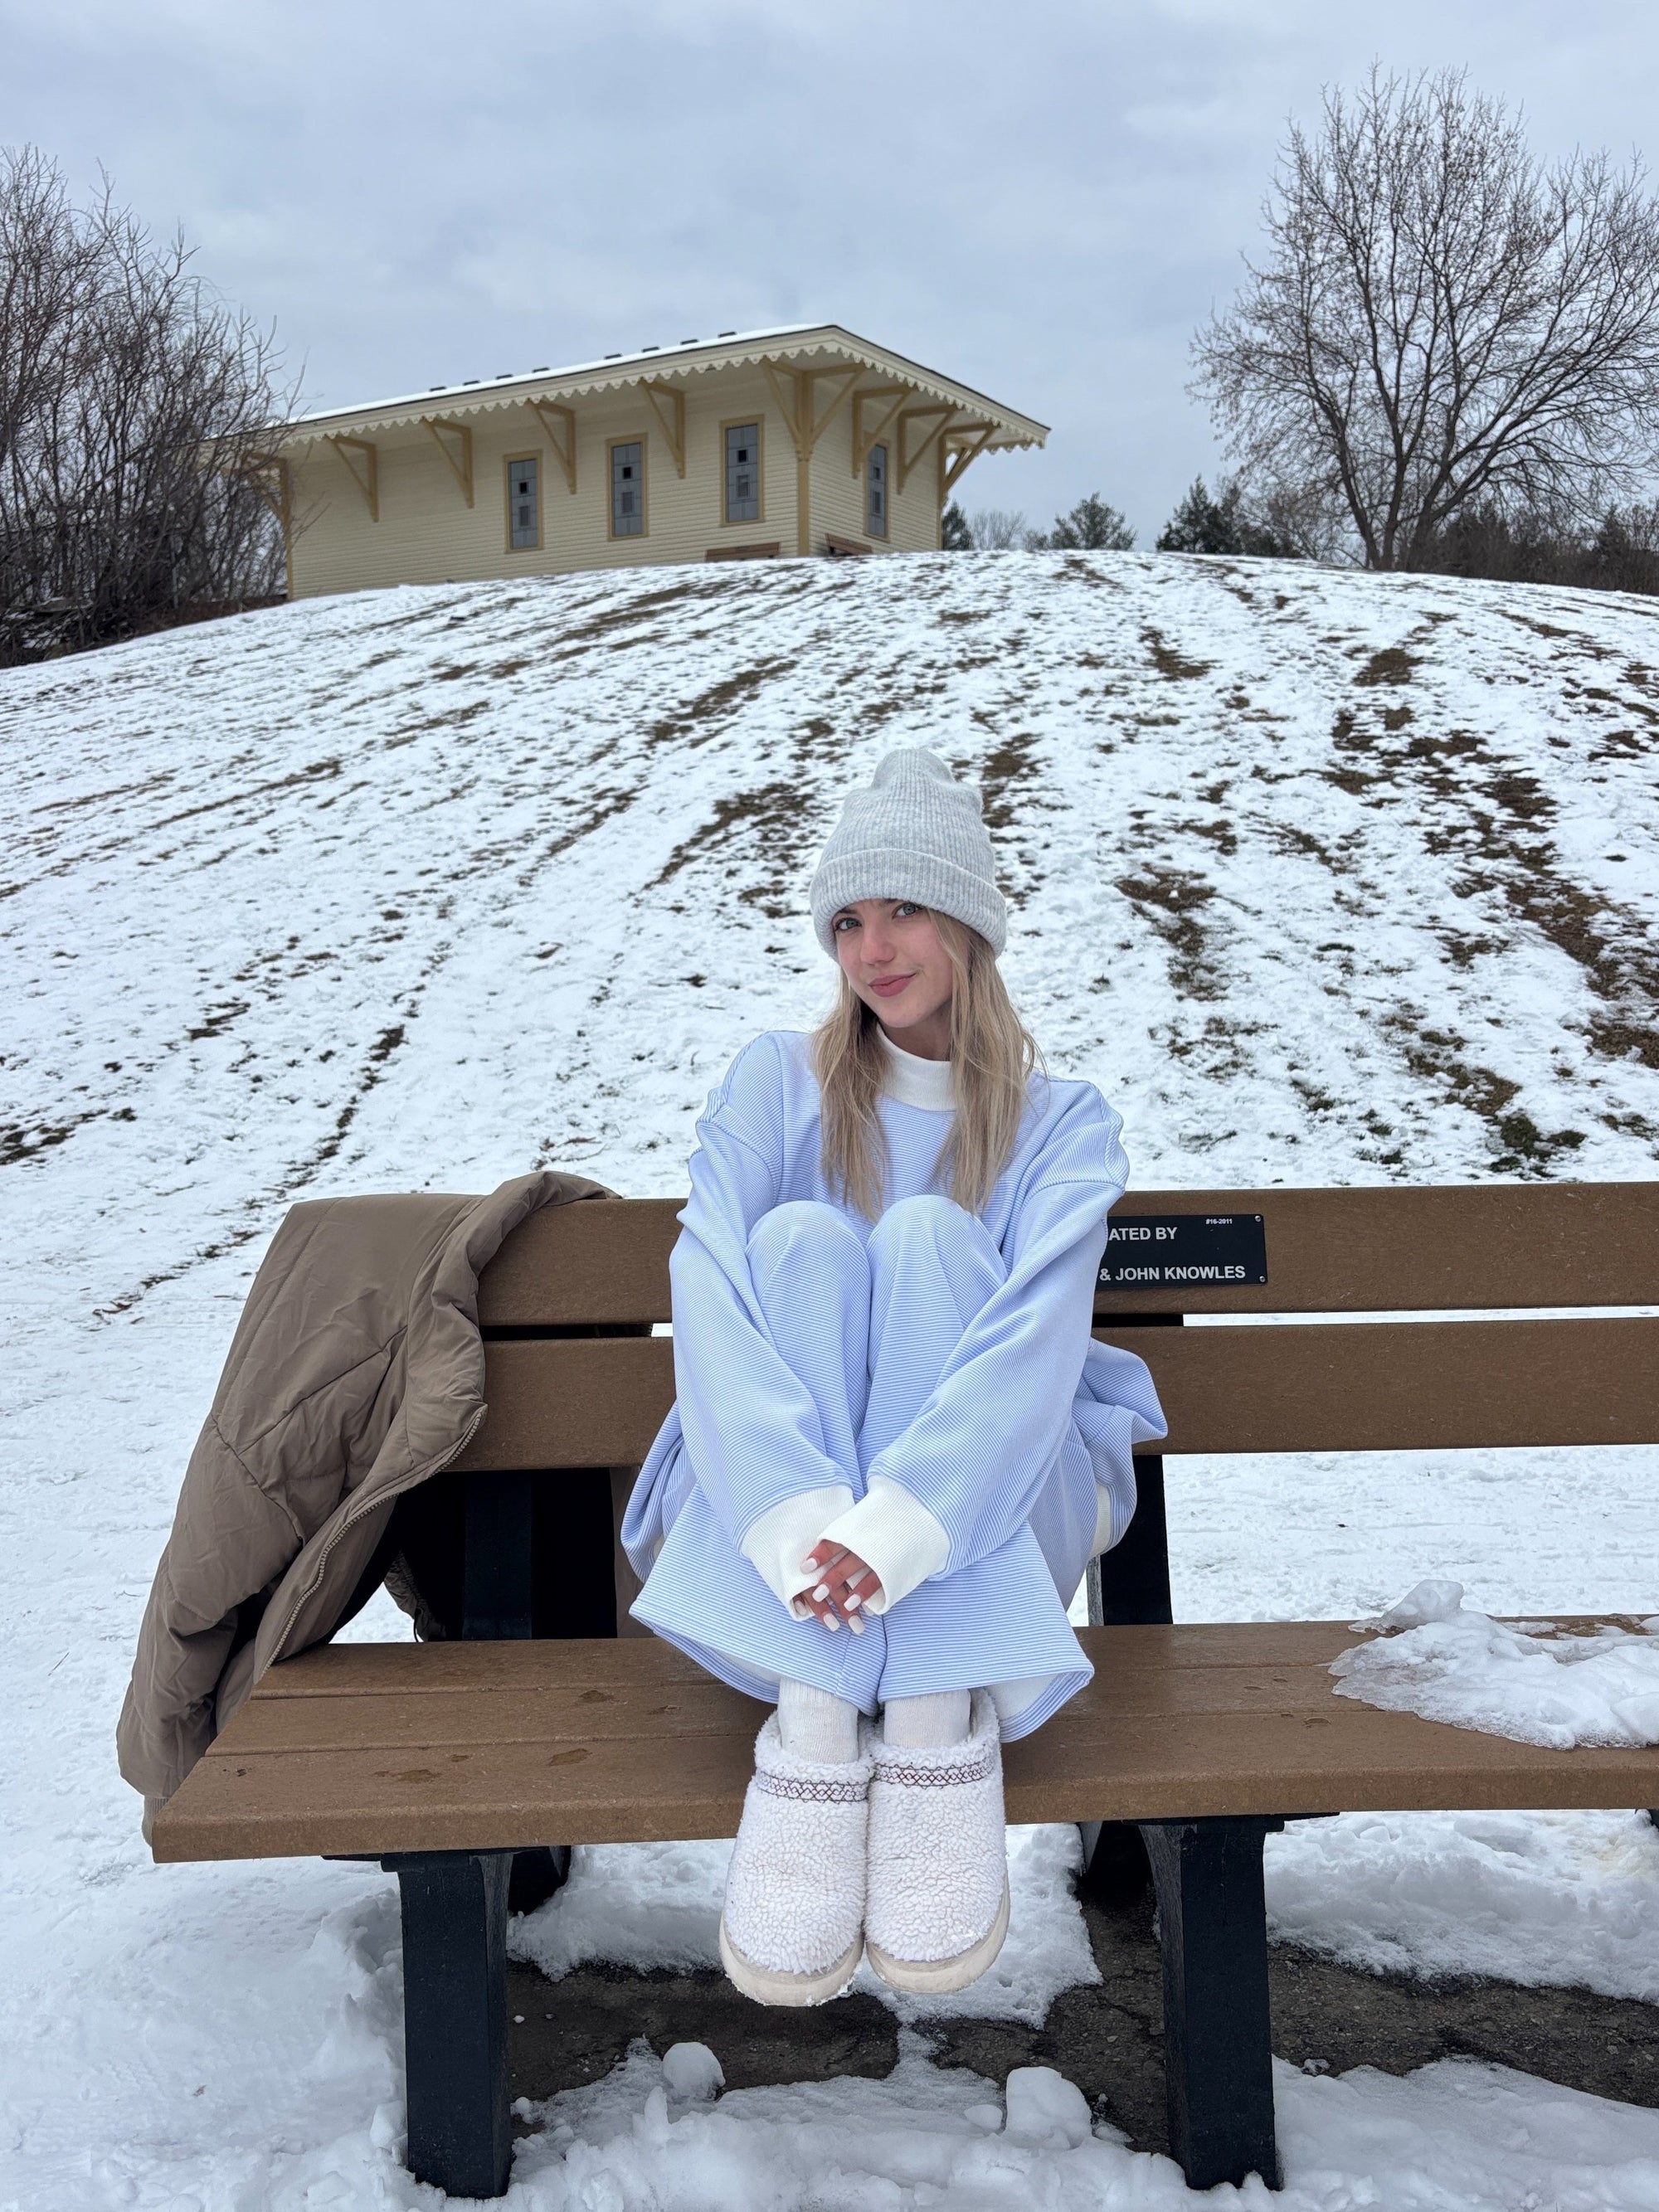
[817,1724]
[929,1723]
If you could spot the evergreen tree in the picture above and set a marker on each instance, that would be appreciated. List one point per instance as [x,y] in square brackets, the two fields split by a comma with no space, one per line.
[1201,524]
[1092,526]
[954,534]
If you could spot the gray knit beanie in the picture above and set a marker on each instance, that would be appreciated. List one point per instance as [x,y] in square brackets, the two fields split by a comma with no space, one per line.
[915,834]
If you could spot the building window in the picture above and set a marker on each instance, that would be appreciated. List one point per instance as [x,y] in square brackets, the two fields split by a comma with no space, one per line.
[628,488]
[875,492]
[524,504]
[743,472]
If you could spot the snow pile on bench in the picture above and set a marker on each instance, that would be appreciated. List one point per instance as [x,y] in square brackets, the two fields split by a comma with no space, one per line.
[1446,1661]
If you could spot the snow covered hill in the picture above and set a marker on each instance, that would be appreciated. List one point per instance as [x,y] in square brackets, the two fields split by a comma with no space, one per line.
[1322,877]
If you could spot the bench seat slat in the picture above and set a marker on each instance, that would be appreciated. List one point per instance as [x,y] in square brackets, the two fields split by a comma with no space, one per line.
[641,1662]
[647,1663]
[439,1797]
[567,1714]
[1383,1250]
[1180,1721]
[1358,1386]
[540,1697]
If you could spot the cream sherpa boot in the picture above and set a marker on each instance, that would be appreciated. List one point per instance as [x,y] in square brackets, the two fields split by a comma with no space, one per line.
[938,1907]
[793,1928]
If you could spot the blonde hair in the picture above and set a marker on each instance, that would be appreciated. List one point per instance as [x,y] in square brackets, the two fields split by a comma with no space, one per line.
[993,1057]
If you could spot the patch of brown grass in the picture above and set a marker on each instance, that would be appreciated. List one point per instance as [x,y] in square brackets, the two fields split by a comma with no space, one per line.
[1001,774]
[622,613]
[1171,900]
[1174,667]
[1521,795]
[1393,664]
[768,822]
[718,703]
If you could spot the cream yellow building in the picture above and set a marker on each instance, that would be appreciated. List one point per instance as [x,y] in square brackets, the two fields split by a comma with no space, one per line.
[805,439]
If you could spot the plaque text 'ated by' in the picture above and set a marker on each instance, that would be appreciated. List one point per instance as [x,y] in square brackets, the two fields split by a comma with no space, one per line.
[1150,1251]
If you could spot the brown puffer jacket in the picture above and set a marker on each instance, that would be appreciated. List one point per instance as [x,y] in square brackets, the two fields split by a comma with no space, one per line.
[355,1372]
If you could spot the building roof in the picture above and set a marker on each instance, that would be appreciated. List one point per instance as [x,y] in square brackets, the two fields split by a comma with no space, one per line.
[790,344]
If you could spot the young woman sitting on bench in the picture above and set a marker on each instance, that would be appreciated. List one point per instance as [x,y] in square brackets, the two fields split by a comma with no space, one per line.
[895,1446]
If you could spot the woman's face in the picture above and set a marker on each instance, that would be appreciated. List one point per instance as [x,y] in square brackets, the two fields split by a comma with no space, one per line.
[890,953]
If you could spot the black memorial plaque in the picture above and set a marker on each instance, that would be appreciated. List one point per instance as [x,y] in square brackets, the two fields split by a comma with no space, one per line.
[1171,1251]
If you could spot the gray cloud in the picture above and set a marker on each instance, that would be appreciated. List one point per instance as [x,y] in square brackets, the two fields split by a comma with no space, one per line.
[1042,199]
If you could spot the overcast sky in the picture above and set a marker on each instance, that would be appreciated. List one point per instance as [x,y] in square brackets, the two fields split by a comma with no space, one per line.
[1040,196]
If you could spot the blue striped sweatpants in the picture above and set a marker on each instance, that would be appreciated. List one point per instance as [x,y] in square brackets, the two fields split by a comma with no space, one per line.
[868,1329]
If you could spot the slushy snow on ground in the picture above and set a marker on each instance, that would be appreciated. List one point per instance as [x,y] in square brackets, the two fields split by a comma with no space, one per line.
[659,1905]
[1322,877]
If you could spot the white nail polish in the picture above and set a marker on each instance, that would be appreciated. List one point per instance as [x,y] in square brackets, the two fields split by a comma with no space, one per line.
[855,1624]
[854,1602]
[831,1621]
[821,1592]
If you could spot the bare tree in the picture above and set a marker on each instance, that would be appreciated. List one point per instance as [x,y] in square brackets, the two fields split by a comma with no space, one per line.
[137,465]
[1439,321]
[997,529]
[44,270]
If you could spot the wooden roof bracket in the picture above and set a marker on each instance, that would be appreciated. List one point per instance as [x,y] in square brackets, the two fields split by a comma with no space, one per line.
[274,482]
[817,424]
[963,444]
[943,411]
[787,405]
[560,425]
[801,416]
[805,427]
[365,473]
[657,389]
[863,439]
[459,456]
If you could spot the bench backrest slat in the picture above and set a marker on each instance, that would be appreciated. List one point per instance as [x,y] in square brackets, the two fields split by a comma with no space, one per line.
[1417,1249]
[1333,1387]
[604,1263]
[601,1262]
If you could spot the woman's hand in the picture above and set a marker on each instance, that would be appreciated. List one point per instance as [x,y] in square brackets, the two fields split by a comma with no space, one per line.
[845,1585]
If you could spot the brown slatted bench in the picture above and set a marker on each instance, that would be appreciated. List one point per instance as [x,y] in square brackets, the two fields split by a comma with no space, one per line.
[469,1767]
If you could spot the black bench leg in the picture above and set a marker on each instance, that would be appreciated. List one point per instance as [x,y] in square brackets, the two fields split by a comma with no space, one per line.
[1128,1586]
[1115,1872]
[498,1604]
[1217,2038]
[454,1916]
[536,1874]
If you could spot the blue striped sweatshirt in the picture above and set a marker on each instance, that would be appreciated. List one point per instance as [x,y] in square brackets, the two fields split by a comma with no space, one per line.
[961,1480]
